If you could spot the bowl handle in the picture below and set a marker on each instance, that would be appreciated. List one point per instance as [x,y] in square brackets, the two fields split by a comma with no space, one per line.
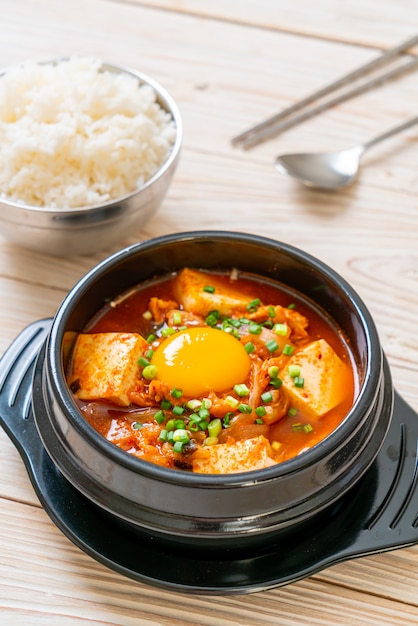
[392,519]
[16,375]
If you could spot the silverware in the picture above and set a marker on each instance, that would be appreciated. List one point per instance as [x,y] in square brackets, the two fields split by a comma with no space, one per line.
[332,170]
[274,124]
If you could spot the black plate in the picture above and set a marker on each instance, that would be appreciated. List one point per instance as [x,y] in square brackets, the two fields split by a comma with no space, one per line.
[378,514]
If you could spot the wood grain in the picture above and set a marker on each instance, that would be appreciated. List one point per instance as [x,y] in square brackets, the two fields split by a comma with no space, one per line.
[230,65]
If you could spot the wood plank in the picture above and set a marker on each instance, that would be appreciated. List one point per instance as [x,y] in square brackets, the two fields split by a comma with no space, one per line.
[81,589]
[372,23]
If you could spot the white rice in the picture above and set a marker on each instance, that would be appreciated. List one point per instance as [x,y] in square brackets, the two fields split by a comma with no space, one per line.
[72,135]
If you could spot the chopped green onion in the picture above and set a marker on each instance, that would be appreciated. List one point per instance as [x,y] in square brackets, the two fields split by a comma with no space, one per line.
[244,408]
[149,372]
[292,306]
[170,434]
[214,427]
[149,354]
[273,371]
[204,414]
[297,426]
[176,393]
[255,329]
[266,397]
[258,421]
[151,338]
[178,410]
[137,425]
[193,426]
[260,411]
[206,403]
[147,315]
[288,350]
[280,329]
[194,404]
[276,382]
[227,420]
[179,424]
[182,328]
[243,320]
[253,305]
[143,362]
[170,425]
[212,318]
[178,446]
[209,289]
[272,345]
[242,390]
[210,441]
[163,435]
[299,381]
[308,428]
[166,332]
[233,402]
[177,319]
[292,412]
[203,424]
[271,311]
[159,417]
[181,434]
[293,371]
[229,330]
[165,405]
[249,347]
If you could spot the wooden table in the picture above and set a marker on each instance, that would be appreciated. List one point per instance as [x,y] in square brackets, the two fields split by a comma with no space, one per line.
[230,64]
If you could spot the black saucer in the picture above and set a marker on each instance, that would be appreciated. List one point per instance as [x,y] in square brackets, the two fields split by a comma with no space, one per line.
[378,514]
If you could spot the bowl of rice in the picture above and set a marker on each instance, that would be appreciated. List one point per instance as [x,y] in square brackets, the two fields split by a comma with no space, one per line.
[87,153]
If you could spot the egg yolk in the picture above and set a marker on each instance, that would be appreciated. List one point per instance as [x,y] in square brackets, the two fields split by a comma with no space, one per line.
[201,359]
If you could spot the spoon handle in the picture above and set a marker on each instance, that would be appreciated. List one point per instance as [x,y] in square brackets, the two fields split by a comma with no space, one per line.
[389,133]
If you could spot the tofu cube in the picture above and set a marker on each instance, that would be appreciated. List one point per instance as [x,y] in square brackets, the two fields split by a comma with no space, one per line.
[325,378]
[240,456]
[189,292]
[105,366]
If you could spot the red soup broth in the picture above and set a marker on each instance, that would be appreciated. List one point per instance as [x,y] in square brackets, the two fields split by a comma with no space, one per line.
[126,314]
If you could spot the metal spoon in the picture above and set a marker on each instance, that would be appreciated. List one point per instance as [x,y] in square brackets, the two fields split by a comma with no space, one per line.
[331,170]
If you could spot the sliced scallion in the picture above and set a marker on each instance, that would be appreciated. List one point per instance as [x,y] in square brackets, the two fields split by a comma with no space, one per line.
[244,408]
[266,397]
[242,390]
[214,427]
[272,345]
[149,372]
[249,347]
[280,329]
[288,350]
[232,402]
[255,329]
[293,371]
[177,319]
[253,305]
[159,417]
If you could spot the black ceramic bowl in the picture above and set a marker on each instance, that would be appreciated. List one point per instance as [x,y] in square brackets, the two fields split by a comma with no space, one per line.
[227,510]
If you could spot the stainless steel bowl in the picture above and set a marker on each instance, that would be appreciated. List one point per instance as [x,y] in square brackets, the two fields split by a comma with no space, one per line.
[88,229]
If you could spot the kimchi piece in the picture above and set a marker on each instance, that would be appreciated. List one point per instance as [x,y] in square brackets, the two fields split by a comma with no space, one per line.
[212,373]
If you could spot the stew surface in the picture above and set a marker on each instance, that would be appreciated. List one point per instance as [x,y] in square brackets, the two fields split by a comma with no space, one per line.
[212,373]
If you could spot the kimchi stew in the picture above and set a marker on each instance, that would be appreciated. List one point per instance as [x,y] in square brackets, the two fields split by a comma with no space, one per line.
[212,373]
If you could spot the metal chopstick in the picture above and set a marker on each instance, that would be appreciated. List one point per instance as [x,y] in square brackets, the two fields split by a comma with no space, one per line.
[283,125]
[248,138]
